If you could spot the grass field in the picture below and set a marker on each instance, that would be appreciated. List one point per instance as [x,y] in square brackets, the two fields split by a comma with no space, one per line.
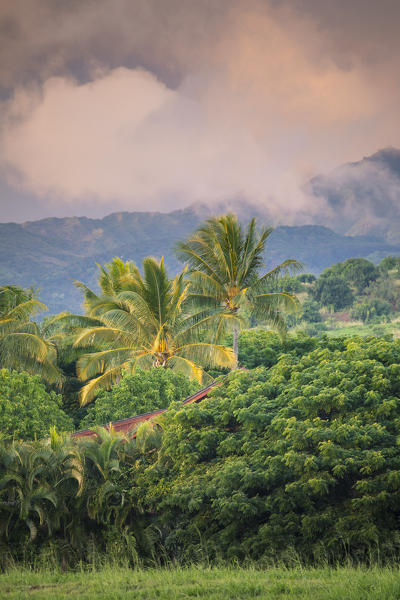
[366,330]
[216,584]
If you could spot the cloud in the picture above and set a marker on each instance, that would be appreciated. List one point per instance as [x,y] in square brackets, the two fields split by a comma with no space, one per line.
[229,99]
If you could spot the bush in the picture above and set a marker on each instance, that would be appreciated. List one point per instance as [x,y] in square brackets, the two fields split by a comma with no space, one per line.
[315,329]
[27,410]
[139,393]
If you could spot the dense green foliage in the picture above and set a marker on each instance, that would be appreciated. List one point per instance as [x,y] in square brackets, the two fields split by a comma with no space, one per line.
[69,499]
[297,456]
[139,393]
[372,310]
[304,454]
[27,410]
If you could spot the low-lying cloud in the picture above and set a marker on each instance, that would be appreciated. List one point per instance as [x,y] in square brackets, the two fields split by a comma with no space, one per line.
[251,109]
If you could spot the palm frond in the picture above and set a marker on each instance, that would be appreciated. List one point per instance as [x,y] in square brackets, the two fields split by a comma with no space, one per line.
[105,381]
[25,310]
[90,365]
[189,369]
[207,355]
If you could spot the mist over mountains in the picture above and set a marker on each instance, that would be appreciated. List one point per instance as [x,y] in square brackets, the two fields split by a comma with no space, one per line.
[363,197]
[361,218]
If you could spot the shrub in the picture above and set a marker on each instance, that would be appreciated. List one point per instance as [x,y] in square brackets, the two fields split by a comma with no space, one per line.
[27,410]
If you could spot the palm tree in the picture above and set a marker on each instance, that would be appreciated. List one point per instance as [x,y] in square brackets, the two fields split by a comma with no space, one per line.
[22,346]
[26,495]
[147,324]
[115,277]
[224,264]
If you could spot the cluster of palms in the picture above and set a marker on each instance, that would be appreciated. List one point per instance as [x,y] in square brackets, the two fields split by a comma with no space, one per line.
[69,490]
[150,320]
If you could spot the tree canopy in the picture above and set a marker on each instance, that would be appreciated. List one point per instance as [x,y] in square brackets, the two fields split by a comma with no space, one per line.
[27,409]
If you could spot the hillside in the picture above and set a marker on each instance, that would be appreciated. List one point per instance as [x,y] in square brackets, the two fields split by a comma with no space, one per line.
[49,253]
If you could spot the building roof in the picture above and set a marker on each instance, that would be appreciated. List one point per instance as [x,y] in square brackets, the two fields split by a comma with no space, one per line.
[130,425]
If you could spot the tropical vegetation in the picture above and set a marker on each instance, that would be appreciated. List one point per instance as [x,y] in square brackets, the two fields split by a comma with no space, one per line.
[224,264]
[293,456]
[22,345]
[296,456]
[141,323]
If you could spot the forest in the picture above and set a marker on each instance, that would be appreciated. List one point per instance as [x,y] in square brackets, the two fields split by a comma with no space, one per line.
[293,456]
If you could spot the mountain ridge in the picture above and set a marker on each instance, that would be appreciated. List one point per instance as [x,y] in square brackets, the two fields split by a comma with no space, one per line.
[50,252]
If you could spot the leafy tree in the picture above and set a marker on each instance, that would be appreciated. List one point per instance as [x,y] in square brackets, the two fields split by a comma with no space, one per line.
[306,277]
[22,347]
[27,410]
[225,262]
[148,324]
[311,312]
[332,291]
[359,272]
[385,288]
[138,393]
[390,263]
[258,347]
[302,455]
[372,310]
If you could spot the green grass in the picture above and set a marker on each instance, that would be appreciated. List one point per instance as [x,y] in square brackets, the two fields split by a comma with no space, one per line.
[216,584]
[365,330]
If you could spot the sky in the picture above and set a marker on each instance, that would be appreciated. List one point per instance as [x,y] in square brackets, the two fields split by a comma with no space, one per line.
[109,105]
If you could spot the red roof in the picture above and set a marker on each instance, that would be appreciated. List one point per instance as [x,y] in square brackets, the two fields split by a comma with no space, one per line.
[127,425]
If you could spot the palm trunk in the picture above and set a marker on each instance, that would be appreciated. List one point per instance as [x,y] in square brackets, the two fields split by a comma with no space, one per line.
[236,345]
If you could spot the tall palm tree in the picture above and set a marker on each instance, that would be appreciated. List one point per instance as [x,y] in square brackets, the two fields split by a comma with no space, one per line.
[115,277]
[22,345]
[147,324]
[224,263]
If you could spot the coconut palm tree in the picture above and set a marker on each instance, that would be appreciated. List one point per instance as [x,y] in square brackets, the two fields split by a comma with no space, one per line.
[145,325]
[224,263]
[22,346]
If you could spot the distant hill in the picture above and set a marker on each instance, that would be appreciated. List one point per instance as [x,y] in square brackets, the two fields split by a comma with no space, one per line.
[49,252]
[363,197]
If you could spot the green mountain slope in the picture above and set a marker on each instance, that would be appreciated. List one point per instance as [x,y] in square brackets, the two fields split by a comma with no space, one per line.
[49,253]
